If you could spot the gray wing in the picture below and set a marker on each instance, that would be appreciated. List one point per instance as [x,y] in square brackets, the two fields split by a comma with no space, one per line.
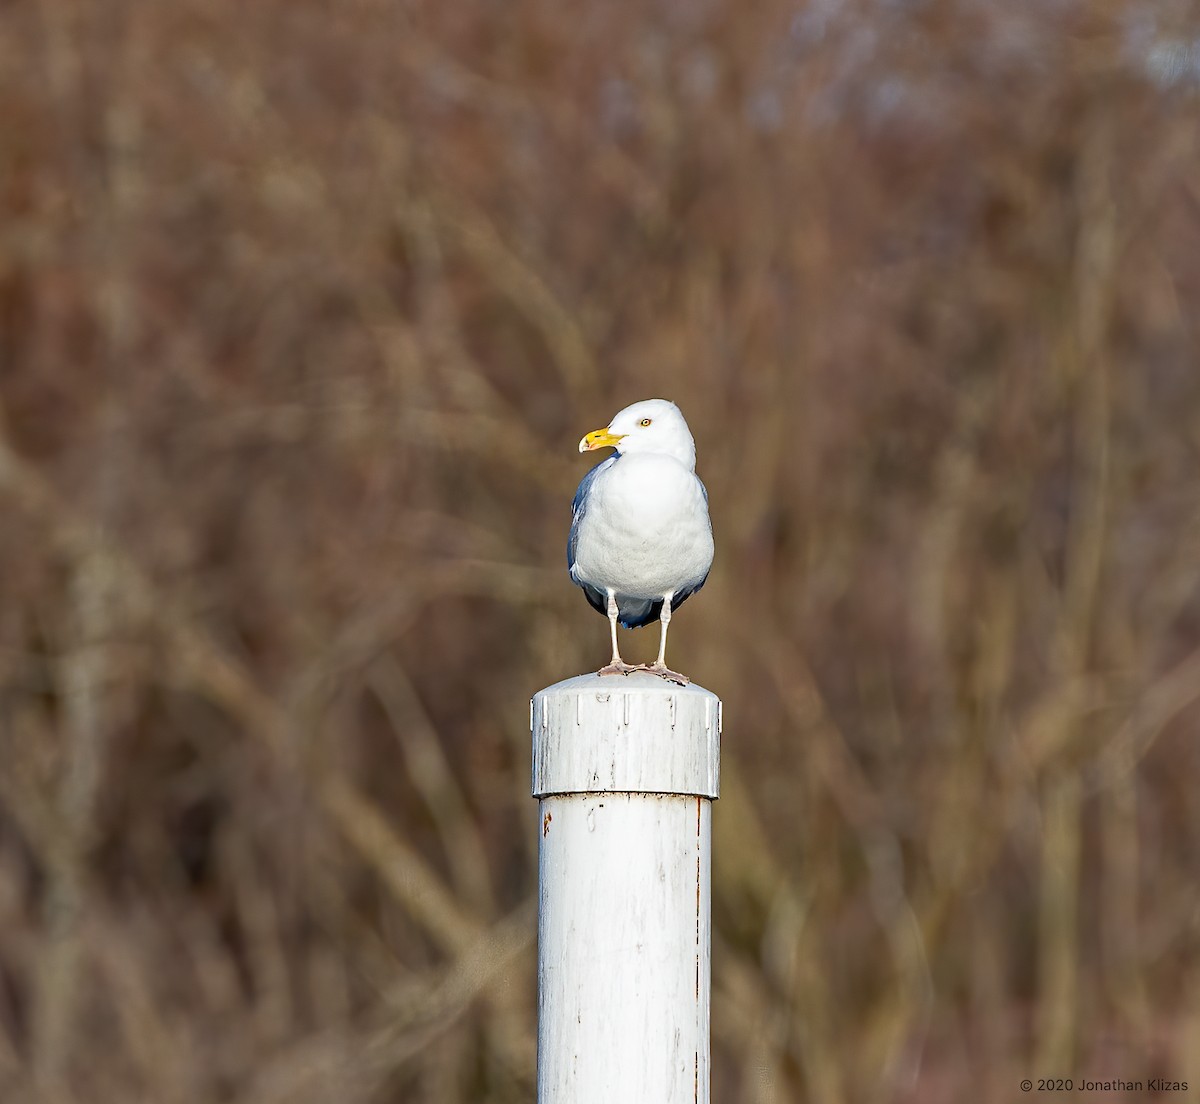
[579,508]
[597,599]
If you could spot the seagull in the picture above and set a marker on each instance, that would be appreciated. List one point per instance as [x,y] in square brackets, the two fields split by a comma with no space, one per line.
[641,541]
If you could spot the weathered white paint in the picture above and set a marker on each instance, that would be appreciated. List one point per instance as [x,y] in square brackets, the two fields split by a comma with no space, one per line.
[625,769]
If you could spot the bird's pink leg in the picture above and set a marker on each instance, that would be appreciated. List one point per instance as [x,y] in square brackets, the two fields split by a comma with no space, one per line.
[617,666]
[659,666]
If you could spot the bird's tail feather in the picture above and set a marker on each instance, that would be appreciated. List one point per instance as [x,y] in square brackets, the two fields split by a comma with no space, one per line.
[633,613]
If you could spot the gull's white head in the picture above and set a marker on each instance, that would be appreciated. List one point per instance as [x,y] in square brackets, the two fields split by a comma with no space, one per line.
[650,426]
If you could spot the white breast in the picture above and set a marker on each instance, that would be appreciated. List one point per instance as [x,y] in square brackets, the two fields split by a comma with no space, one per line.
[646,531]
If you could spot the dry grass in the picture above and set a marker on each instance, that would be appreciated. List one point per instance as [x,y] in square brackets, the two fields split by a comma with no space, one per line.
[302,309]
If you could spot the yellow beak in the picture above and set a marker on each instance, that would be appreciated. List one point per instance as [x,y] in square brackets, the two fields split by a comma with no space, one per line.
[599,438]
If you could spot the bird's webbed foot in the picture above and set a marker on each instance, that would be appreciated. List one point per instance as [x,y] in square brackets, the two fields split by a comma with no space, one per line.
[663,671]
[620,667]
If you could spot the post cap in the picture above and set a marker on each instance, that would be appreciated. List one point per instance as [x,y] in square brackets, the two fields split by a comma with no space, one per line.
[632,733]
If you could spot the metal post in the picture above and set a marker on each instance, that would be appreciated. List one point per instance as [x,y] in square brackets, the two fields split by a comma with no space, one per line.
[625,769]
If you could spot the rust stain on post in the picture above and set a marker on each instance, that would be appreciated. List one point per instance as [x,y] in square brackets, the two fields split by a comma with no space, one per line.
[697,928]
[699,886]
[546,824]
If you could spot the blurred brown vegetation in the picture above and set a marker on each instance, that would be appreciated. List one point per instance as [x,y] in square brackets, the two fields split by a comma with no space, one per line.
[302,310]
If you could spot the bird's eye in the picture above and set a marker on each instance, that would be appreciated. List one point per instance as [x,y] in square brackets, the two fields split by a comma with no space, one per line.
[644,422]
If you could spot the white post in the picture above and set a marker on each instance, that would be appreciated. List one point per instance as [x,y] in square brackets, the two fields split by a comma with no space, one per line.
[625,769]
